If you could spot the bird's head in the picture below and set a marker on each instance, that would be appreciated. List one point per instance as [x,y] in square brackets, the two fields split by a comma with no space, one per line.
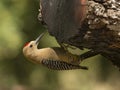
[31,46]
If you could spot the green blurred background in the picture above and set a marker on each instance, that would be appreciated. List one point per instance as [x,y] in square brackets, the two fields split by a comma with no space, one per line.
[18,25]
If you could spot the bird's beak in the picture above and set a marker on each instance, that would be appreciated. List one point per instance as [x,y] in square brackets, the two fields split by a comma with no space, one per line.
[38,39]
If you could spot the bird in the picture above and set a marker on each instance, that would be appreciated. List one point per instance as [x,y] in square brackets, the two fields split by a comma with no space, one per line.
[55,58]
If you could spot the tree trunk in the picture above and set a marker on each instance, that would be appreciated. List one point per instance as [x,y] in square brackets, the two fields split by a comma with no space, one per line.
[92,24]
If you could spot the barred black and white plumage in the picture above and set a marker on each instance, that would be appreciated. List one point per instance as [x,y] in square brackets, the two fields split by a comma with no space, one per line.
[61,65]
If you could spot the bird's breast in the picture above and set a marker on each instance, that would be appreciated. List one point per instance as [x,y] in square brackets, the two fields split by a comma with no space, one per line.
[47,53]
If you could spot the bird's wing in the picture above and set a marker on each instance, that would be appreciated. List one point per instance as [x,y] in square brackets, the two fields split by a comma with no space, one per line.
[60,65]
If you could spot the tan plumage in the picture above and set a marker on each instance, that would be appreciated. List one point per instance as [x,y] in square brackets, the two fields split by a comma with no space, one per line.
[54,58]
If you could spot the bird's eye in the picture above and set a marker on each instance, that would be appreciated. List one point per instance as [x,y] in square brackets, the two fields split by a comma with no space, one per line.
[31,46]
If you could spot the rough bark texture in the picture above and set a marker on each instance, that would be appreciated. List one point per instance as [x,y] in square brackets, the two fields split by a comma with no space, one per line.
[95,26]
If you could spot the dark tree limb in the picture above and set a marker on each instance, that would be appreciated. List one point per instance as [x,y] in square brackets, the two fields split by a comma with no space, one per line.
[103,34]
[95,27]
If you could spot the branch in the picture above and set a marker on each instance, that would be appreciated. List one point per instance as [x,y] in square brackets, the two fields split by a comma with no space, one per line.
[102,26]
[95,27]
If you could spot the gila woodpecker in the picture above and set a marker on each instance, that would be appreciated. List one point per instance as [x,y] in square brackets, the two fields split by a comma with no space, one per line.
[55,58]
